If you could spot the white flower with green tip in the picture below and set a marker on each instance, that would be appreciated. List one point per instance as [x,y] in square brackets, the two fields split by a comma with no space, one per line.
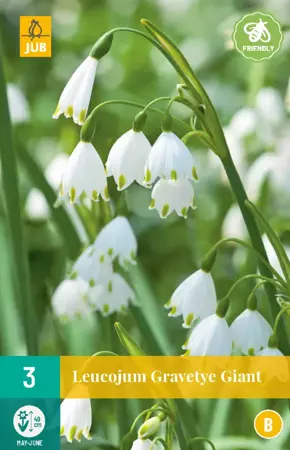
[75,418]
[194,298]
[117,239]
[250,332]
[170,159]
[90,268]
[170,195]
[270,351]
[127,158]
[144,444]
[75,98]
[112,297]
[211,337]
[70,299]
[84,173]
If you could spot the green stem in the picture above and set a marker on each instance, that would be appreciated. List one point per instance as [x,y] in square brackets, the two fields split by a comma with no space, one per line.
[277,320]
[137,105]
[122,406]
[252,294]
[252,227]
[249,277]
[201,439]
[12,201]
[249,247]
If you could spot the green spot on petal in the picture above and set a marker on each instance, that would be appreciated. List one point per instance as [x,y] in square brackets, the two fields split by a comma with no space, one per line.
[251,352]
[184,212]
[147,177]
[102,258]
[82,116]
[106,309]
[173,175]
[165,210]
[185,343]
[74,275]
[72,194]
[79,435]
[167,304]
[72,433]
[173,310]
[95,195]
[194,174]
[110,286]
[69,111]
[106,193]
[56,112]
[121,181]
[193,204]
[110,252]
[92,283]
[64,318]
[152,204]
[62,430]
[189,320]
[133,255]
[186,353]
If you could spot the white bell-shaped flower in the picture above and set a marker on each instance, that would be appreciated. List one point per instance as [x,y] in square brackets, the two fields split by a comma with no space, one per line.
[85,173]
[270,351]
[75,418]
[195,298]
[90,268]
[144,444]
[233,224]
[170,195]
[169,158]
[250,332]
[75,98]
[211,337]
[70,299]
[280,368]
[36,206]
[113,297]
[127,158]
[117,239]
[18,105]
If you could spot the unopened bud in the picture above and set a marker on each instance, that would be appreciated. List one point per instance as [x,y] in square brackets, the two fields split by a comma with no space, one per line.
[149,428]
[102,46]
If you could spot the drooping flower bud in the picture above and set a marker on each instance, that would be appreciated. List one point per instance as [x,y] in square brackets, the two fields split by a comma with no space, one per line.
[149,428]
[102,46]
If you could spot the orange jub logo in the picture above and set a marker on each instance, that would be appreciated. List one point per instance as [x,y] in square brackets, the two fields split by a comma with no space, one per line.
[35,36]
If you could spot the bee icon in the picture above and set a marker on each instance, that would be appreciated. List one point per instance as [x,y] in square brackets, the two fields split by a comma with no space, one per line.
[257,31]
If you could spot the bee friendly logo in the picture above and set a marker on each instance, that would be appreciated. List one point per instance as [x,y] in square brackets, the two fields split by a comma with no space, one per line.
[35,36]
[257,36]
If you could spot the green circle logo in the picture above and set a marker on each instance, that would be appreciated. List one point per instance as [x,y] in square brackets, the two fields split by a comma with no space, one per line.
[257,36]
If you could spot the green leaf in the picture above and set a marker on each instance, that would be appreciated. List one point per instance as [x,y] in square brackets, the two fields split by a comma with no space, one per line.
[273,238]
[173,51]
[14,222]
[128,342]
[127,441]
[60,217]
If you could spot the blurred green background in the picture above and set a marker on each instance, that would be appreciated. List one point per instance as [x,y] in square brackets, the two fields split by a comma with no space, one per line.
[168,250]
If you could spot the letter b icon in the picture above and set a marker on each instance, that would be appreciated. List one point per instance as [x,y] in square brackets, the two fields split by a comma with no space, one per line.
[268,424]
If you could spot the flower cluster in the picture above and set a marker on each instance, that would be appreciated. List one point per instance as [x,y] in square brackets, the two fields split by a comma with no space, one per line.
[195,299]
[93,285]
[168,164]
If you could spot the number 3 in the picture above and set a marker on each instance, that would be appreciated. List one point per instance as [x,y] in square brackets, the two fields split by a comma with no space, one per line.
[30,371]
